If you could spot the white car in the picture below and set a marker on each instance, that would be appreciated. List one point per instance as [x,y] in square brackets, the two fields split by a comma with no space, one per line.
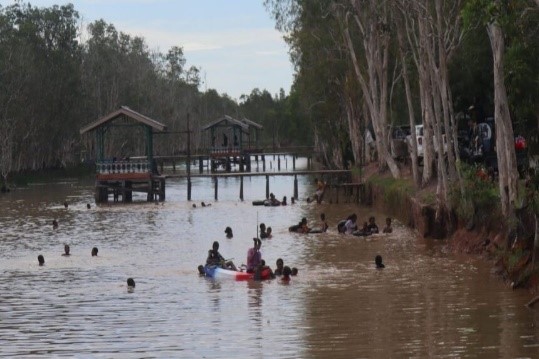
[419,137]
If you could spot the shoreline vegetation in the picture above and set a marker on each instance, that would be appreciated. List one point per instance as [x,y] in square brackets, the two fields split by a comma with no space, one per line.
[477,228]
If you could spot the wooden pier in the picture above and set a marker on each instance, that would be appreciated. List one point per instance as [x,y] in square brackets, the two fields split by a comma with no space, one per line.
[342,184]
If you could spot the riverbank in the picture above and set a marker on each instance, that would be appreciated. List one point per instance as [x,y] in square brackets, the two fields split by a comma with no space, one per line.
[485,236]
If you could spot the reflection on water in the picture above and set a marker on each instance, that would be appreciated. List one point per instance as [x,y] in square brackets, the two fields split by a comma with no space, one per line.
[425,303]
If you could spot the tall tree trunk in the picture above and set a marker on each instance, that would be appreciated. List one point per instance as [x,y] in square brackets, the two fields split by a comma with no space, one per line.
[507,168]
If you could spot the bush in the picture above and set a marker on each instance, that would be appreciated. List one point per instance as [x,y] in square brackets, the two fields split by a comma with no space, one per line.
[478,199]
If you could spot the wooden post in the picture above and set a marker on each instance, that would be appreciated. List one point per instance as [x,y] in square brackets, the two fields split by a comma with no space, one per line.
[188,188]
[162,190]
[278,162]
[241,188]
[162,163]
[216,187]
[263,163]
[248,159]
[267,186]
[173,165]
[242,164]
[200,164]
[294,162]
[296,187]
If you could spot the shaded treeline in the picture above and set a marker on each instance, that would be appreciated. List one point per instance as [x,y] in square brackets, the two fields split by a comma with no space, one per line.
[52,84]
[370,64]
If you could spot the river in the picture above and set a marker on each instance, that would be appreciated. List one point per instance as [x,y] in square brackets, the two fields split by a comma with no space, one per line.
[425,303]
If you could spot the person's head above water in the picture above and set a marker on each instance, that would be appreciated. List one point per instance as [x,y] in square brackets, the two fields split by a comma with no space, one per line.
[66,250]
[262,227]
[378,261]
[215,245]
[303,220]
[130,282]
[41,260]
[372,220]
[323,216]
[287,271]
[228,232]
[294,271]
[94,251]
[268,231]
[88,206]
[54,224]
[280,263]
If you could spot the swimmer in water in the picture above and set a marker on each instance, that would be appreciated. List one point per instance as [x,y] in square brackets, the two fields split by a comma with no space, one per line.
[280,265]
[130,285]
[228,232]
[41,260]
[66,250]
[94,252]
[54,224]
[286,274]
[378,262]
[88,206]
[294,271]
[66,205]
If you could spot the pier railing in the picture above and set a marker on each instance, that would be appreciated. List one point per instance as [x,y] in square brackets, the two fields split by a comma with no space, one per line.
[131,166]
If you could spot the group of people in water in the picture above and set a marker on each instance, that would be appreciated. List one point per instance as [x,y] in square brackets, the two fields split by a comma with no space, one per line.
[349,226]
[67,250]
[255,263]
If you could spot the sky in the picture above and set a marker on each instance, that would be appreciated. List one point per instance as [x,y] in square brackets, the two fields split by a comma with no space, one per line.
[233,42]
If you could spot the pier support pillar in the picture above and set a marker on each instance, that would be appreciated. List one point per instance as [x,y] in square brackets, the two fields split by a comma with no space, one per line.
[216,188]
[241,188]
[278,162]
[267,186]
[296,187]
[294,162]
[189,188]
[200,164]
[263,163]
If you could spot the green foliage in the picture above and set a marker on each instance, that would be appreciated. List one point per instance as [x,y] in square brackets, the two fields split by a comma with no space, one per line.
[479,198]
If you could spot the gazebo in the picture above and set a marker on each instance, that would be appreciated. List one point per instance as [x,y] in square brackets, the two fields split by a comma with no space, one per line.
[123,176]
[232,140]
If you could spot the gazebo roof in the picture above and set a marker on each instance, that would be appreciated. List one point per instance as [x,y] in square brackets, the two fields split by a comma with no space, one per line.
[127,112]
[226,121]
[252,123]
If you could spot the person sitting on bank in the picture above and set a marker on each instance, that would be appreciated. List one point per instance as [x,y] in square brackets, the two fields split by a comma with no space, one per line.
[66,250]
[388,228]
[228,232]
[94,252]
[372,227]
[263,234]
[41,260]
[215,258]
[280,265]
[378,262]
[254,256]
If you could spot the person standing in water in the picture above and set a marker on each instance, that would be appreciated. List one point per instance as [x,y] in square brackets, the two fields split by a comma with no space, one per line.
[388,228]
[254,256]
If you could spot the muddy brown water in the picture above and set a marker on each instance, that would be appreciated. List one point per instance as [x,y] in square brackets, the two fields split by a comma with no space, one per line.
[425,303]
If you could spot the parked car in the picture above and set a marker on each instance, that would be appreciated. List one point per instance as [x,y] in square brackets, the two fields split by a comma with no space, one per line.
[419,137]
